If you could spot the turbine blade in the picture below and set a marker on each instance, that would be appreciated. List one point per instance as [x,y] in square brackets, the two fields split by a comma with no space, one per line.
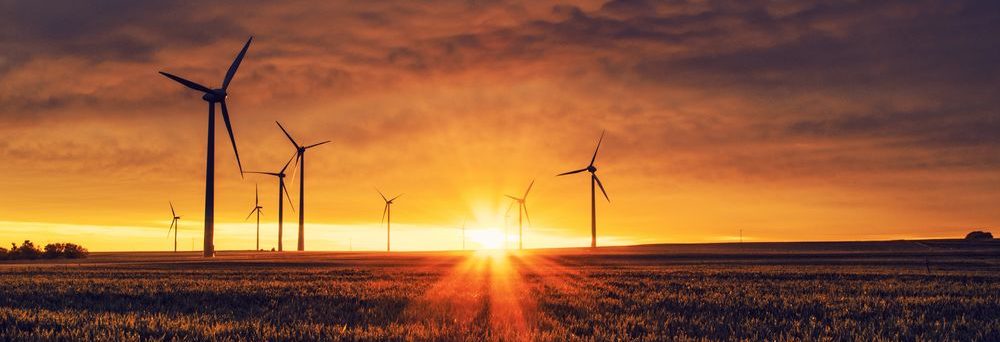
[380,194]
[172,209]
[251,213]
[187,83]
[571,172]
[295,168]
[598,148]
[289,162]
[513,198]
[264,173]
[384,210]
[602,188]
[172,223]
[509,207]
[397,196]
[529,189]
[236,64]
[314,145]
[287,135]
[290,203]
[525,207]
[256,195]
[232,138]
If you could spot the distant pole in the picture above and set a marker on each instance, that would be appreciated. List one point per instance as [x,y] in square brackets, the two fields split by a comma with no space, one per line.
[209,250]
[302,200]
[520,229]
[388,225]
[741,235]
[593,213]
[463,236]
[258,229]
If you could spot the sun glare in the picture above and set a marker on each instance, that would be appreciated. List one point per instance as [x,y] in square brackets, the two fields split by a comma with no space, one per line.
[489,238]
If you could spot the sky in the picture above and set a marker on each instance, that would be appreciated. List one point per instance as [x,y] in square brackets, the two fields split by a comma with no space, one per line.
[788,120]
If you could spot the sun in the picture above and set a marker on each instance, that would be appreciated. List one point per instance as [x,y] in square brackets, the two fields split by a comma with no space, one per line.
[489,238]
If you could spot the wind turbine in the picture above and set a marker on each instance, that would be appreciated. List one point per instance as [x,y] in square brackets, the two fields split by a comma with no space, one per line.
[256,209]
[213,96]
[593,201]
[463,235]
[300,157]
[173,225]
[282,192]
[387,217]
[521,206]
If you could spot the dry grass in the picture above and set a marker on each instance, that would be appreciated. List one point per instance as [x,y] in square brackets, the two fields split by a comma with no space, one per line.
[752,292]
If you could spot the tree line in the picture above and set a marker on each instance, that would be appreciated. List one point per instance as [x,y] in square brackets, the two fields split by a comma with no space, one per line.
[28,251]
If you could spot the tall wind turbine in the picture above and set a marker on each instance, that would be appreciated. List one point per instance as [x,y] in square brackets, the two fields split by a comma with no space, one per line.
[387,217]
[521,206]
[593,201]
[300,157]
[282,193]
[173,225]
[256,209]
[213,96]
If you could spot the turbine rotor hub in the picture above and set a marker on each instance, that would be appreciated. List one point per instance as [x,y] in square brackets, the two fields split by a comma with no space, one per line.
[591,169]
[217,95]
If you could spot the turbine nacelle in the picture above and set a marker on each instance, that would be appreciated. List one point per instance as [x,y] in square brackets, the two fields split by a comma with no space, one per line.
[216,95]
[591,169]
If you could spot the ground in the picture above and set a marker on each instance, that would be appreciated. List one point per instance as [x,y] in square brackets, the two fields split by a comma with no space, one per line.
[900,290]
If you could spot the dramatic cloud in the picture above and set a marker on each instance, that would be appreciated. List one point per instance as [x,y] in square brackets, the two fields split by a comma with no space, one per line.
[797,120]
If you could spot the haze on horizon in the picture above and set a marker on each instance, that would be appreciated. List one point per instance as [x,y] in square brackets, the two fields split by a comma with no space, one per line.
[804,120]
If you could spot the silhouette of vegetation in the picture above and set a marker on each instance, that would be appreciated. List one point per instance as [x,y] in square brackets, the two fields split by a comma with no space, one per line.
[28,251]
[65,250]
[979,235]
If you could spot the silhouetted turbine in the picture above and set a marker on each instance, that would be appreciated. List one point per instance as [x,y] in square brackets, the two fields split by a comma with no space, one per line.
[173,225]
[213,96]
[521,206]
[387,217]
[256,209]
[282,192]
[593,202]
[300,156]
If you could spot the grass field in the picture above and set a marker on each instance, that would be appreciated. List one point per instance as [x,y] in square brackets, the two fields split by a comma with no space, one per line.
[901,290]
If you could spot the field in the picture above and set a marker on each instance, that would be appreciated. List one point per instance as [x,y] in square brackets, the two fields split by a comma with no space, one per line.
[899,290]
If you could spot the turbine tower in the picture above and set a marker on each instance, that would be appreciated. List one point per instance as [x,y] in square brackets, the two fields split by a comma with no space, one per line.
[300,157]
[521,206]
[173,225]
[282,192]
[387,217]
[593,198]
[213,96]
[256,209]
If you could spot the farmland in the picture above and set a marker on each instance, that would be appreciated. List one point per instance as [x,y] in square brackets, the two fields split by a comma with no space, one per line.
[899,290]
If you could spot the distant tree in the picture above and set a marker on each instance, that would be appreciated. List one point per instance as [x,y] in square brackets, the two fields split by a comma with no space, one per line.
[27,250]
[979,235]
[74,251]
[3,253]
[54,250]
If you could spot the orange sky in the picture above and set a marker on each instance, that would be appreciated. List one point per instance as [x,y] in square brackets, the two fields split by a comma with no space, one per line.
[792,121]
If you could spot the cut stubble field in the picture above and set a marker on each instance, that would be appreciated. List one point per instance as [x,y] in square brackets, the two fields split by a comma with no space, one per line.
[899,290]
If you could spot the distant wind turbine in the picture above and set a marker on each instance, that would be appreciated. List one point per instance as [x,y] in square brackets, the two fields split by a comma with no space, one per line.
[521,206]
[300,157]
[213,96]
[387,217]
[282,192]
[593,201]
[173,225]
[256,209]
[463,235]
